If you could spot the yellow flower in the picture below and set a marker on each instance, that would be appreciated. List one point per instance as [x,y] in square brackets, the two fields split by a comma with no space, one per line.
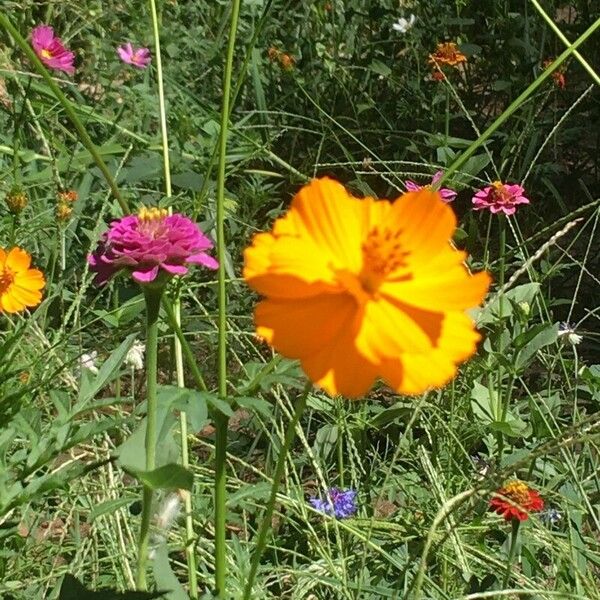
[447,54]
[20,286]
[360,289]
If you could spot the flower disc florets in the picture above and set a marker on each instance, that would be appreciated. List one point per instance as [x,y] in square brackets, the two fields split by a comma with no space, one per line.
[150,244]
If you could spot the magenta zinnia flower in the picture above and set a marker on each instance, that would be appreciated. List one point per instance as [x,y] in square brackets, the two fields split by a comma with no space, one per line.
[50,49]
[138,57]
[446,194]
[150,244]
[500,197]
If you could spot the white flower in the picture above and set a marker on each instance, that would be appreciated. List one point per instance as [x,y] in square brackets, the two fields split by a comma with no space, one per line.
[566,333]
[403,25]
[135,356]
[88,361]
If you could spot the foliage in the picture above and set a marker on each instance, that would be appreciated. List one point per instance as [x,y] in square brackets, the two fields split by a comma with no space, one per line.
[356,100]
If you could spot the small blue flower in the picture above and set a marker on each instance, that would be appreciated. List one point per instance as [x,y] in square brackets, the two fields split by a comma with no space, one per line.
[339,503]
[551,516]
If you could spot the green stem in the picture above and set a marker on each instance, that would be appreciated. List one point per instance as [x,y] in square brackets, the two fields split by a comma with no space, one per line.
[68,108]
[222,421]
[565,41]
[514,536]
[189,518]
[265,525]
[501,278]
[187,351]
[152,297]
[515,104]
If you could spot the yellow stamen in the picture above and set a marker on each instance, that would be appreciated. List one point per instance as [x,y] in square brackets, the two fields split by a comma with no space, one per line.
[6,279]
[382,254]
[152,214]
[46,54]
[517,491]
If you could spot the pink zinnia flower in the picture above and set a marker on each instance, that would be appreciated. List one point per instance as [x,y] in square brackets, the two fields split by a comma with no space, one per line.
[50,49]
[500,197]
[446,194]
[150,244]
[138,57]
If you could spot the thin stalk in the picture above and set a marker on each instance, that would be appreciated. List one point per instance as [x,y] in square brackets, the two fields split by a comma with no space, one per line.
[265,525]
[501,277]
[67,107]
[189,519]
[516,103]
[152,297]
[221,420]
[584,63]
[187,351]
[514,536]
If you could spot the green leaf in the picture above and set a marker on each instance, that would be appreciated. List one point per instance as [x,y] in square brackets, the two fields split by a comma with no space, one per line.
[72,589]
[380,68]
[167,477]
[164,576]
[257,404]
[106,374]
[110,506]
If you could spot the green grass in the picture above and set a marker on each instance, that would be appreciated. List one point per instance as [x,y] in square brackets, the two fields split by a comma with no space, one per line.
[359,104]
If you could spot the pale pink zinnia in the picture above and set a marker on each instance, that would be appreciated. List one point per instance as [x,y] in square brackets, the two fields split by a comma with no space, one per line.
[150,244]
[50,49]
[138,57]
[500,197]
[446,194]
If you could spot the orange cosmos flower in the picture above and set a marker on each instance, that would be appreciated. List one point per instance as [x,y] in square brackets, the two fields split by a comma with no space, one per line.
[447,54]
[20,286]
[358,289]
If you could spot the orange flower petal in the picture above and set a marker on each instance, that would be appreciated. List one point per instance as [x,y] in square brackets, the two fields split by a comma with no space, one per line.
[18,260]
[339,369]
[10,304]
[26,297]
[415,373]
[301,328]
[286,267]
[427,224]
[387,330]
[453,289]
[32,279]
[334,220]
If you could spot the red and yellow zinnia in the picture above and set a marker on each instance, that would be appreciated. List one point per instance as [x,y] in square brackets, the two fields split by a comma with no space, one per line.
[360,288]
[20,286]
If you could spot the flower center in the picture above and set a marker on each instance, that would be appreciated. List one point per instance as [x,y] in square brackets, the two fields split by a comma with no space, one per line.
[382,254]
[151,221]
[46,53]
[517,491]
[500,193]
[6,279]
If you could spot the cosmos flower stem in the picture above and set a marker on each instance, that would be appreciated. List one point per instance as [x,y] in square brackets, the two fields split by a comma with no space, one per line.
[517,102]
[265,525]
[152,297]
[67,106]
[221,421]
[514,536]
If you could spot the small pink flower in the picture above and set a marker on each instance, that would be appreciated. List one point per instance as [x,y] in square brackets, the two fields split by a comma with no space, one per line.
[50,49]
[138,57]
[150,244]
[446,194]
[500,197]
